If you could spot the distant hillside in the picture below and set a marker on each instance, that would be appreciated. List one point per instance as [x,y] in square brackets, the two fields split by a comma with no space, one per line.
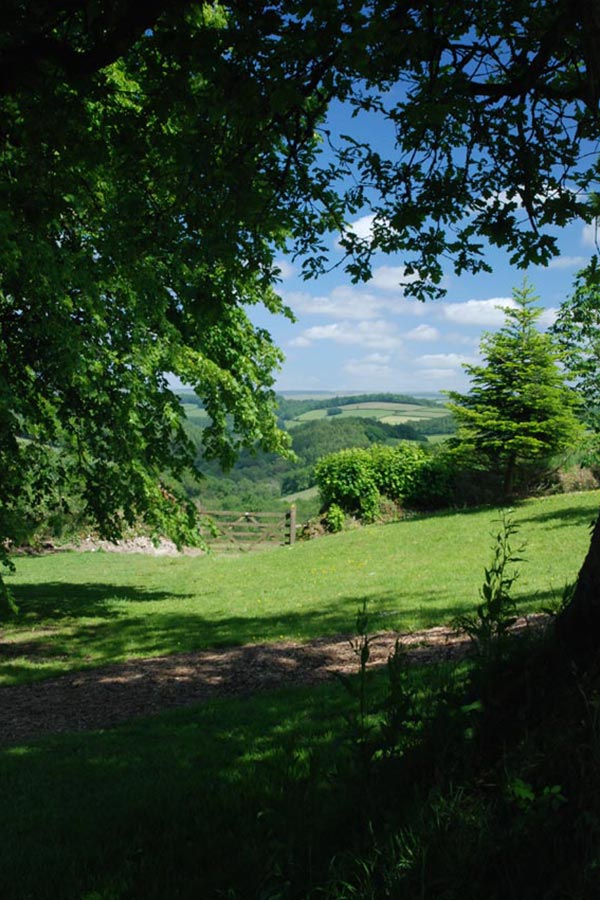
[293,408]
[318,426]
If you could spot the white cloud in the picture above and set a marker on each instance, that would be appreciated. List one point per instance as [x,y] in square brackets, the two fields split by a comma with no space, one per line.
[347,301]
[423,333]
[286,269]
[380,358]
[391,278]
[450,361]
[439,377]
[344,302]
[568,262]
[374,367]
[548,317]
[589,234]
[300,342]
[363,227]
[502,198]
[378,334]
[486,313]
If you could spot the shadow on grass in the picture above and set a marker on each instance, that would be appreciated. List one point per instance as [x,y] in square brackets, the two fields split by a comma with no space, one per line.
[517,504]
[453,511]
[83,644]
[114,637]
[185,804]
[558,518]
[192,803]
[60,600]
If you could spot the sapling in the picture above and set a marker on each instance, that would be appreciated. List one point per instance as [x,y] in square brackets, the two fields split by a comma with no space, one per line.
[497,610]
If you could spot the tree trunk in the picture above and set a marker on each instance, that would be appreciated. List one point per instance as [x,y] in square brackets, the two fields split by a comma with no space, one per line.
[509,476]
[578,625]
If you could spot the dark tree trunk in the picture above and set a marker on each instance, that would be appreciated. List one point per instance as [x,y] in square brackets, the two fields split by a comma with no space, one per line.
[578,626]
[509,476]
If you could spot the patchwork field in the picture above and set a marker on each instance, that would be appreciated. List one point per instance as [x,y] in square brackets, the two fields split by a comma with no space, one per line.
[391,413]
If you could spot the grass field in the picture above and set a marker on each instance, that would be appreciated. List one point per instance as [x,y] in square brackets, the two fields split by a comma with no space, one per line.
[310,493]
[437,438]
[391,413]
[194,414]
[81,610]
[238,798]
[196,803]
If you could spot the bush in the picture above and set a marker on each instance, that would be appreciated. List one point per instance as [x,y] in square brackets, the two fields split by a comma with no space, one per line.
[346,479]
[454,477]
[335,518]
[395,468]
[355,480]
[434,485]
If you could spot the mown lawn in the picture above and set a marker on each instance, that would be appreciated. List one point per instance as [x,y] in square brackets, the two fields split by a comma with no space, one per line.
[80,610]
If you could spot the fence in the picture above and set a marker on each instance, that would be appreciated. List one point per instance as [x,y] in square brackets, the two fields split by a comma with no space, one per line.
[245,531]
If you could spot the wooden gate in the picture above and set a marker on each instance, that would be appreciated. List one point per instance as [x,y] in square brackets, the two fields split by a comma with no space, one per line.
[245,531]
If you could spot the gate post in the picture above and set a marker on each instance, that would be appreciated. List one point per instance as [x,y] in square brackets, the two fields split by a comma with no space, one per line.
[290,517]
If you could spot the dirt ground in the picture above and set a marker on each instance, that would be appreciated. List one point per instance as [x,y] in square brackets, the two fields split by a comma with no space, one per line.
[103,697]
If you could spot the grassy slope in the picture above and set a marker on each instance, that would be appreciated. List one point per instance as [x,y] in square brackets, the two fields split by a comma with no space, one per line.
[88,609]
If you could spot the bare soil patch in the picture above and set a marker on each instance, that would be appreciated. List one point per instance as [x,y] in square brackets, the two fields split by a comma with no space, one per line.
[106,696]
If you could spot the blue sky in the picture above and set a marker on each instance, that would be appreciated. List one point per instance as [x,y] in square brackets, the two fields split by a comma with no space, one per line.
[370,337]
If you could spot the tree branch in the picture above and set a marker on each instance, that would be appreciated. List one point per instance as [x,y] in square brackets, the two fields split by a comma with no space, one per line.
[23,63]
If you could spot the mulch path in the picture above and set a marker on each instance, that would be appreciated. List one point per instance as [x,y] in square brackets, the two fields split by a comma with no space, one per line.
[103,697]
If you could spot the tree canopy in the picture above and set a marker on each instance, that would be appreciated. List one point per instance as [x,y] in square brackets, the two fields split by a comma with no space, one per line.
[152,165]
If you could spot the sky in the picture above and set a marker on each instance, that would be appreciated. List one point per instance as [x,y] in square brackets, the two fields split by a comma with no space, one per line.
[370,337]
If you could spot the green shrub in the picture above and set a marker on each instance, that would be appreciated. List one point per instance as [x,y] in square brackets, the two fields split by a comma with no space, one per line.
[452,477]
[395,468]
[434,484]
[346,478]
[355,480]
[335,518]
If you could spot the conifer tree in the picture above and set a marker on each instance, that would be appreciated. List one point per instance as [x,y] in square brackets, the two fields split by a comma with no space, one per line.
[577,332]
[519,408]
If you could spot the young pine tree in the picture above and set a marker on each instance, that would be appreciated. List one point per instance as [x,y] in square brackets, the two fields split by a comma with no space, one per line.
[577,332]
[519,408]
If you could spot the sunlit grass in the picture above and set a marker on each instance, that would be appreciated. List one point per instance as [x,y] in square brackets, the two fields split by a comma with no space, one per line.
[88,609]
